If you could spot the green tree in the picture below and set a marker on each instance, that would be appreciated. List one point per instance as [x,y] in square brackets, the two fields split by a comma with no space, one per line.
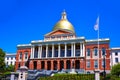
[10,68]
[116,70]
[2,62]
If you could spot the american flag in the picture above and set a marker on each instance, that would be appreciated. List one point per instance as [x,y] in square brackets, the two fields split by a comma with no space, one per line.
[96,26]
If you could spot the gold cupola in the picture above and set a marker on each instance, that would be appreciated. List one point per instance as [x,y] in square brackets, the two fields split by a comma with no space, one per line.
[64,24]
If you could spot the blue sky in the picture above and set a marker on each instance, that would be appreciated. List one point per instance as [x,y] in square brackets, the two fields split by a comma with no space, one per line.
[22,21]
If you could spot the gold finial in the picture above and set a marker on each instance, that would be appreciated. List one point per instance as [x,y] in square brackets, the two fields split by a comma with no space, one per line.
[64,15]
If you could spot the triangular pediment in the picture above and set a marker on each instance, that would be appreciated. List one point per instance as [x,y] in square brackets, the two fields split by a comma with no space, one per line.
[58,32]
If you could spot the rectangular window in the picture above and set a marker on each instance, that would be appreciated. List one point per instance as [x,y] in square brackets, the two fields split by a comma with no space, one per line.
[71,36]
[95,52]
[20,55]
[58,37]
[116,60]
[11,58]
[103,51]
[11,63]
[116,53]
[64,37]
[88,52]
[7,63]
[95,64]
[52,37]
[88,63]
[7,58]
[103,63]
[26,55]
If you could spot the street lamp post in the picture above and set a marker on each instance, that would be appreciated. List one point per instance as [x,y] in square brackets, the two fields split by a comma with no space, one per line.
[104,66]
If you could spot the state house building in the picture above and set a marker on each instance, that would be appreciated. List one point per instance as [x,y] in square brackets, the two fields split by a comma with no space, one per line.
[61,49]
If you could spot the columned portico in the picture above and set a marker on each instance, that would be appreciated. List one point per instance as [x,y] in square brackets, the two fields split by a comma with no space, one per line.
[54,62]
[58,50]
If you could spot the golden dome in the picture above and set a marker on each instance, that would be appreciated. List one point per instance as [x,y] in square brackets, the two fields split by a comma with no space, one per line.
[64,24]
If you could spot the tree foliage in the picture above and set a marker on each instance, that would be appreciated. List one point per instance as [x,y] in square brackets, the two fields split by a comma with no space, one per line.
[10,68]
[2,62]
[116,70]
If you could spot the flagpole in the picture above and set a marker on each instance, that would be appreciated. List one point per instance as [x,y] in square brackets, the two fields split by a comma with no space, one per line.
[96,27]
[98,42]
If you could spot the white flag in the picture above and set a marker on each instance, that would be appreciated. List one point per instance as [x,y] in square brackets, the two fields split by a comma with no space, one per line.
[96,26]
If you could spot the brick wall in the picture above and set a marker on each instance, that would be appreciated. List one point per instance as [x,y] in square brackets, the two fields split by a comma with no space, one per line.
[22,61]
[91,47]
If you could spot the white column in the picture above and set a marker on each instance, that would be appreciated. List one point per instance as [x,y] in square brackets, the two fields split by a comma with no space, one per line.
[41,52]
[74,50]
[80,49]
[72,54]
[33,51]
[31,55]
[46,51]
[65,49]
[38,51]
[58,50]
[83,49]
[53,50]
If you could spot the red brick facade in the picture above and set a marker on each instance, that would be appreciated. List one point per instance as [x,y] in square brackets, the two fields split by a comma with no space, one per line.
[107,58]
[22,61]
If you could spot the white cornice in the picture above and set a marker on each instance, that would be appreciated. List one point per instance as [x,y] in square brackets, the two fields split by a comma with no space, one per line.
[10,54]
[115,48]
[23,45]
[95,40]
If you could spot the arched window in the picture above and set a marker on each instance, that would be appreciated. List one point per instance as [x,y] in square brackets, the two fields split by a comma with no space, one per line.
[88,72]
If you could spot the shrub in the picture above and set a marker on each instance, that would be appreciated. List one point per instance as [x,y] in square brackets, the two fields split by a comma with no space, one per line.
[70,77]
[116,70]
